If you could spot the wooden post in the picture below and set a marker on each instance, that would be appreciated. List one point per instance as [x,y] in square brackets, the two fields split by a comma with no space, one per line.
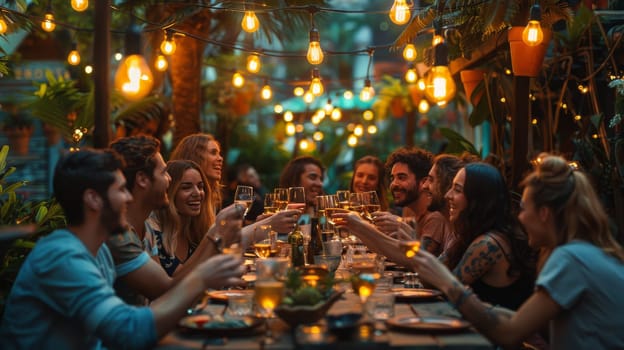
[101,57]
[520,130]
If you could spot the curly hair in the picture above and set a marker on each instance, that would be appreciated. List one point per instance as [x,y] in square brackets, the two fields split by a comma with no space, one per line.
[577,210]
[139,154]
[418,160]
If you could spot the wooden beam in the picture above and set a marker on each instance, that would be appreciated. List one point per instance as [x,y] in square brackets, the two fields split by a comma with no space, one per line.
[101,57]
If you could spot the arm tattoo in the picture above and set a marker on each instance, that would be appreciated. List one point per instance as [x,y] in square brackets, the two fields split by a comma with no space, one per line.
[478,259]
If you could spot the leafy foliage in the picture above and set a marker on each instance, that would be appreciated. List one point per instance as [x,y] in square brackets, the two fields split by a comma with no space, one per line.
[300,293]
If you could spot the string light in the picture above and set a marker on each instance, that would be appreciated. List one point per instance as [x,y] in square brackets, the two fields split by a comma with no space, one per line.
[133,78]
[532,35]
[48,20]
[266,92]
[250,22]
[79,5]
[253,63]
[358,130]
[316,87]
[328,106]
[308,97]
[368,115]
[168,46]
[352,140]
[367,92]
[3,25]
[400,12]
[348,95]
[372,129]
[161,63]
[278,108]
[290,129]
[88,69]
[74,57]
[318,136]
[289,116]
[423,106]
[439,84]
[298,91]
[409,52]
[238,80]
[336,114]
[315,54]
[411,76]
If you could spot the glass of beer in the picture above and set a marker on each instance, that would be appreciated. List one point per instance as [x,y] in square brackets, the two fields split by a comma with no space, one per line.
[270,203]
[267,295]
[409,248]
[364,285]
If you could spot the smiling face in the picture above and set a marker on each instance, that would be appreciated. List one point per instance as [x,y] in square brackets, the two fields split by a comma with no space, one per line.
[537,222]
[213,162]
[403,185]
[190,194]
[455,196]
[431,185]
[160,183]
[365,178]
[312,180]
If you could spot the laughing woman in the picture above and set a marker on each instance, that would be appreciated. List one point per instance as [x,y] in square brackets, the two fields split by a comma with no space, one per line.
[579,287]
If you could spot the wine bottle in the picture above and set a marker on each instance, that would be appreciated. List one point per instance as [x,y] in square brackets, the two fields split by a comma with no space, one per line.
[295,239]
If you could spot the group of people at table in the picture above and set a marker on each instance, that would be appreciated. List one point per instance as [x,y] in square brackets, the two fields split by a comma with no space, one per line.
[144,237]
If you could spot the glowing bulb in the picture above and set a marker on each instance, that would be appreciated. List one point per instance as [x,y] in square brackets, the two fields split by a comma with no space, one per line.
[278,108]
[168,46]
[368,115]
[266,92]
[73,58]
[352,140]
[88,69]
[316,87]
[79,5]
[578,117]
[336,114]
[437,40]
[440,86]
[118,56]
[299,91]
[348,95]
[400,12]
[288,116]
[409,52]
[133,78]
[423,106]
[250,22]
[253,63]
[238,80]
[3,26]
[316,119]
[532,35]
[411,76]
[358,130]
[372,129]
[318,136]
[299,128]
[290,129]
[328,106]
[161,63]
[308,97]
[367,92]
[315,53]
[48,22]
[304,144]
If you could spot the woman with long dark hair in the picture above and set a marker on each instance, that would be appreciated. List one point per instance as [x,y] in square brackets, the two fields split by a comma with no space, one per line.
[369,174]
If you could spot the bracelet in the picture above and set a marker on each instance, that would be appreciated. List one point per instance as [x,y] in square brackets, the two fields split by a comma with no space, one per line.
[466,292]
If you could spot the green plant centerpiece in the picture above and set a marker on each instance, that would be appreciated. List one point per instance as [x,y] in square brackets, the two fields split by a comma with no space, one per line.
[309,295]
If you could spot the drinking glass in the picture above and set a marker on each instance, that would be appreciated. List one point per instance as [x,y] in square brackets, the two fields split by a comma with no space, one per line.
[342,196]
[244,196]
[364,285]
[281,198]
[371,204]
[332,207]
[356,202]
[263,243]
[267,295]
[270,203]
[296,195]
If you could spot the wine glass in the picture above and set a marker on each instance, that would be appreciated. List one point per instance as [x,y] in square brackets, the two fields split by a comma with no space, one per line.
[342,196]
[270,203]
[267,295]
[332,207]
[296,195]
[281,198]
[356,202]
[264,243]
[371,204]
[244,196]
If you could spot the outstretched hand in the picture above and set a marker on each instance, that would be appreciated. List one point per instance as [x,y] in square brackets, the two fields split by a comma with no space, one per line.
[221,271]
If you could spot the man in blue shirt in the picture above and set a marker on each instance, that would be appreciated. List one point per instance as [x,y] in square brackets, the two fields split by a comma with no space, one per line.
[63,296]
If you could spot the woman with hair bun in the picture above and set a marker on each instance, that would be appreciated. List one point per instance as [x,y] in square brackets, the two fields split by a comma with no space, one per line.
[578,290]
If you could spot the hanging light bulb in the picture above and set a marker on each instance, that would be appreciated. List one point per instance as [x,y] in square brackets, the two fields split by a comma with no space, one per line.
[161,63]
[253,63]
[318,136]
[250,22]
[316,87]
[315,53]
[289,116]
[348,95]
[368,115]
[532,35]
[278,108]
[328,106]
[423,106]
[411,76]
[372,129]
[168,46]
[238,80]
[79,5]
[133,78]
[3,25]
[367,91]
[266,92]
[48,20]
[336,114]
[439,83]
[308,97]
[352,140]
[74,57]
[298,91]
[400,12]
[290,129]
[409,52]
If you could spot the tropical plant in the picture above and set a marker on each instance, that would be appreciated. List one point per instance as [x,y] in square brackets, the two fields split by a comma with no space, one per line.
[393,97]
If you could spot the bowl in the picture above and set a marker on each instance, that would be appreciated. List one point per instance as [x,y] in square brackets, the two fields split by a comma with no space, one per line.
[331,261]
[305,314]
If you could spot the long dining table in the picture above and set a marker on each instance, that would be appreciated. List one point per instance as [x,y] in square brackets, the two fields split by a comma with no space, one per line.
[367,337]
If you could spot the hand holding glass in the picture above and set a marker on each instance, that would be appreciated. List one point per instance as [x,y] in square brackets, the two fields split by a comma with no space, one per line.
[244,196]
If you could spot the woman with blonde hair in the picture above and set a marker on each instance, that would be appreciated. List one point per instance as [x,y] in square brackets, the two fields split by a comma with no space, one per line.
[578,290]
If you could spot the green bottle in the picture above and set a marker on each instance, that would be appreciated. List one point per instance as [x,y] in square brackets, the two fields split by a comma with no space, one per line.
[295,239]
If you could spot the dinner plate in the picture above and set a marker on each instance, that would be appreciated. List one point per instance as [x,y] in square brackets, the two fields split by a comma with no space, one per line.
[439,324]
[208,323]
[415,294]
[224,295]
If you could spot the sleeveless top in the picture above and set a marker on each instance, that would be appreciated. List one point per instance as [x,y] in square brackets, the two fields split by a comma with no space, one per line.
[511,296]
[168,261]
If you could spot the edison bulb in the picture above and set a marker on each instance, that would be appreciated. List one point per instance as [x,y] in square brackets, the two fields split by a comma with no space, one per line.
[423,106]
[298,91]
[532,35]
[168,46]
[440,86]
[161,63]
[48,22]
[289,116]
[409,52]
[400,12]
[238,80]
[79,5]
[3,26]
[367,93]
[336,114]
[308,97]
[133,78]
[250,22]
[411,76]
[74,57]
[316,87]
[315,53]
[266,92]
[253,64]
